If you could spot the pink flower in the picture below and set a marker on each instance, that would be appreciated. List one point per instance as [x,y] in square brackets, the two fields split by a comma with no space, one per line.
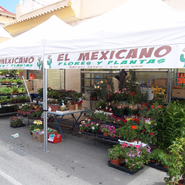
[137,146]
[124,145]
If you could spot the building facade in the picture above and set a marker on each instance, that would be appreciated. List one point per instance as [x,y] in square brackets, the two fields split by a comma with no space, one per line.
[5,17]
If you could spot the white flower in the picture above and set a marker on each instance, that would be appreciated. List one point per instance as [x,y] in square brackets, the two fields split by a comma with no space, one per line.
[93,128]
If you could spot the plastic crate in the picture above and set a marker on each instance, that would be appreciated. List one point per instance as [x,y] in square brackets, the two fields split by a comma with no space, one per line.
[55,138]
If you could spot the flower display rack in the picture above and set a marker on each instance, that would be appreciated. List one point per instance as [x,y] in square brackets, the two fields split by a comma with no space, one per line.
[102,137]
[157,166]
[122,168]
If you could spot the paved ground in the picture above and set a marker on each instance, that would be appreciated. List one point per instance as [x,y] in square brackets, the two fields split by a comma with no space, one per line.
[79,159]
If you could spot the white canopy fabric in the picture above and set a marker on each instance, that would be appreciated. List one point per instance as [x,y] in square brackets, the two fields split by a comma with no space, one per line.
[138,34]
[26,50]
[4,33]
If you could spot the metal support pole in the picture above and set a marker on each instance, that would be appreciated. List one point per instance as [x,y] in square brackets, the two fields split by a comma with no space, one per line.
[168,77]
[176,80]
[45,107]
[170,85]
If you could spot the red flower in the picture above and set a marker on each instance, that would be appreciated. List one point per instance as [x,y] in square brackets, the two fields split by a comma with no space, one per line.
[143,130]
[134,127]
[141,108]
[151,134]
[159,106]
[152,106]
[106,81]
[124,145]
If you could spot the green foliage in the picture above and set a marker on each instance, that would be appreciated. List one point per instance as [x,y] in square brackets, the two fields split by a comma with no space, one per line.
[126,132]
[26,108]
[114,153]
[158,154]
[99,116]
[175,163]
[170,124]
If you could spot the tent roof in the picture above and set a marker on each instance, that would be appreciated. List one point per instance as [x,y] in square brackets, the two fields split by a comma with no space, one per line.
[133,24]
[32,42]
[4,33]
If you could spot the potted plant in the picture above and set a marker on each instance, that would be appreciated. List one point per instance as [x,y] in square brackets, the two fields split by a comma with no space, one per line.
[175,163]
[25,109]
[15,121]
[37,124]
[114,154]
[104,129]
[38,112]
[31,113]
[134,159]
[157,155]
[181,142]
[129,132]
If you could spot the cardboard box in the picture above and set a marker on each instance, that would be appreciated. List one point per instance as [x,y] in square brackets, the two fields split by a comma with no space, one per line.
[178,92]
[29,84]
[38,84]
[160,82]
[40,138]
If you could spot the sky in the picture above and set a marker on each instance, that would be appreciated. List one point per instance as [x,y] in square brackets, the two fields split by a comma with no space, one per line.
[9,5]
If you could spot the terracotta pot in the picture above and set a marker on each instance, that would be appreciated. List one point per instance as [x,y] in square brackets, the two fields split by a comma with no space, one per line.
[180,182]
[115,161]
[130,141]
[105,134]
[152,161]
[165,167]
[158,162]
[137,140]
[121,159]
[82,130]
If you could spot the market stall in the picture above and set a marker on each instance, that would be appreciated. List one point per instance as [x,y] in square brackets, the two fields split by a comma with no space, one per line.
[117,39]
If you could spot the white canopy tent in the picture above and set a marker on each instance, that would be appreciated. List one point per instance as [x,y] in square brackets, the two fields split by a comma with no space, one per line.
[4,33]
[29,47]
[26,51]
[138,34]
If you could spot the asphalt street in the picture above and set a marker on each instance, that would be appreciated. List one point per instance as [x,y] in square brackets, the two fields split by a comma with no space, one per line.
[79,159]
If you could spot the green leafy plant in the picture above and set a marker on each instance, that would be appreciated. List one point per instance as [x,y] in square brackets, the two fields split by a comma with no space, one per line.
[170,124]
[114,153]
[175,163]
[129,132]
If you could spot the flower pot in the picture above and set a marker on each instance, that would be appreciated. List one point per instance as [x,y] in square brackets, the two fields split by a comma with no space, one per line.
[115,161]
[82,130]
[158,162]
[153,161]
[71,107]
[131,141]
[105,134]
[121,160]
[180,182]
[137,140]
[165,167]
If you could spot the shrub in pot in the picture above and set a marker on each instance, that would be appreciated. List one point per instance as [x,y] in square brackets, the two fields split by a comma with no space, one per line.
[175,163]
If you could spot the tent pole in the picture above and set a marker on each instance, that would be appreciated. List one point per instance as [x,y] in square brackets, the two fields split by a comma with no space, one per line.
[45,104]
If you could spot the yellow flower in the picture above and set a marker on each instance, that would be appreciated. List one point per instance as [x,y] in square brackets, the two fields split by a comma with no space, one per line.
[128,119]
[101,81]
